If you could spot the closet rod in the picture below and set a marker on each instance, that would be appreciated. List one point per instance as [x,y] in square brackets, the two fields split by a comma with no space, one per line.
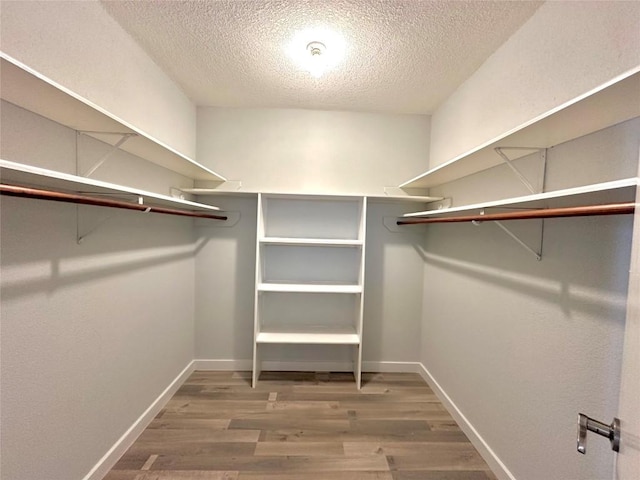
[16,191]
[585,211]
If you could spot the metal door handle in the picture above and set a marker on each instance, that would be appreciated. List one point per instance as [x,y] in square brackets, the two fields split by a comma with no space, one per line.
[612,432]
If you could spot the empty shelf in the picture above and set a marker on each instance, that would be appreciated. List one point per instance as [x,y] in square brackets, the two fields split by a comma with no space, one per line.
[324,242]
[616,191]
[27,175]
[38,94]
[321,335]
[607,105]
[308,288]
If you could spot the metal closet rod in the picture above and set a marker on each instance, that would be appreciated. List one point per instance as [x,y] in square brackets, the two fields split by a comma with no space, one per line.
[584,211]
[16,191]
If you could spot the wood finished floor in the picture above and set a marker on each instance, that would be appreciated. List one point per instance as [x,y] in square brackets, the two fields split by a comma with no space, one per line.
[311,426]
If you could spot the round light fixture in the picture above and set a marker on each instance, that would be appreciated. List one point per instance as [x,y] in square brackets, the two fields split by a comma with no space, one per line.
[317,64]
[316,50]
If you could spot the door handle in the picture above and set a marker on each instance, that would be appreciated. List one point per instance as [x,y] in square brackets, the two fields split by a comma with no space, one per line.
[586,424]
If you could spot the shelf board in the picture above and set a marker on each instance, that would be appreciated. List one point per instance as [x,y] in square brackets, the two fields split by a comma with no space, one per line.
[607,105]
[599,193]
[321,242]
[403,198]
[309,288]
[318,335]
[32,91]
[30,176]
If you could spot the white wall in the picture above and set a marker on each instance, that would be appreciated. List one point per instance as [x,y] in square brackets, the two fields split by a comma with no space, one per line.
[564,50]
[393,288]
[91,333]
[522,346]
[225,283]
[310,151]
[78,45]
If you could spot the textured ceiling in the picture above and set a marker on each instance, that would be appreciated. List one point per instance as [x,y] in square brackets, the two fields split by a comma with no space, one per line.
[401,56]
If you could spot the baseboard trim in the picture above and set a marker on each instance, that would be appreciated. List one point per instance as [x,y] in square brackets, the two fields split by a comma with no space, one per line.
[231,365]
[214,365]
[496,465]
[391,367]
[112,456]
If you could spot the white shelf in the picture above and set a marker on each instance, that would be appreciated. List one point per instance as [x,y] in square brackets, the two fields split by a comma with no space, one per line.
[377,198]
[607,105]
[319,336]
[33,91]
[608,192]
[30,176]
[308,288]
[403,198]
[322,242]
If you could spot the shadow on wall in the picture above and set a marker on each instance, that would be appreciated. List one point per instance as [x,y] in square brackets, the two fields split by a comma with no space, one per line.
[40,252]
[577,255]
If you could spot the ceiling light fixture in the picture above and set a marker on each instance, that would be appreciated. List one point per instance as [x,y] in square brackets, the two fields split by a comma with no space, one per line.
[316,50]
[317,64]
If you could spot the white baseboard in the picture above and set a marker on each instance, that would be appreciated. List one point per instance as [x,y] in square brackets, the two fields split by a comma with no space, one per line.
[496,465]
[392,367]
[110,458]
[276,366]
[206,364]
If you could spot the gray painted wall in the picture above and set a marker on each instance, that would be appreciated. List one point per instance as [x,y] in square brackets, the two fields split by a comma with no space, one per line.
[308,151]
[91,333]
[78,45]
[522,346]
[563,51]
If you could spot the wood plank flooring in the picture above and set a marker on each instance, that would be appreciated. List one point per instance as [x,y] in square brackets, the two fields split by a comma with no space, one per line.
[311,426]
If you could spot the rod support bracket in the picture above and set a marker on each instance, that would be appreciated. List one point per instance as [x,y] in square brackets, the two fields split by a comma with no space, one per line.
[519,241]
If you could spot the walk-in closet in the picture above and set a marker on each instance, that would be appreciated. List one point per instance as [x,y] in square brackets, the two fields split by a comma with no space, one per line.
[306,240]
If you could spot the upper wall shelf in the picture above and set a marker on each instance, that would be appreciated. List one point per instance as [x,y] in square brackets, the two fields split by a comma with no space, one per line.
[32,91]
[27,175]
[599,193]
[607,105]
[375,198]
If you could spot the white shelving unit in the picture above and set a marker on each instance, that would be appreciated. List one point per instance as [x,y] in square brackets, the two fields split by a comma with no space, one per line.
[28,89]
[610,104]
[30,176]
[310,273]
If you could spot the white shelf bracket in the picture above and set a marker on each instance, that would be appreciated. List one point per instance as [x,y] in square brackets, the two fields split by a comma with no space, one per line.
[518,173]
[83,231]
[94,221]
[115,147]
[536,253]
